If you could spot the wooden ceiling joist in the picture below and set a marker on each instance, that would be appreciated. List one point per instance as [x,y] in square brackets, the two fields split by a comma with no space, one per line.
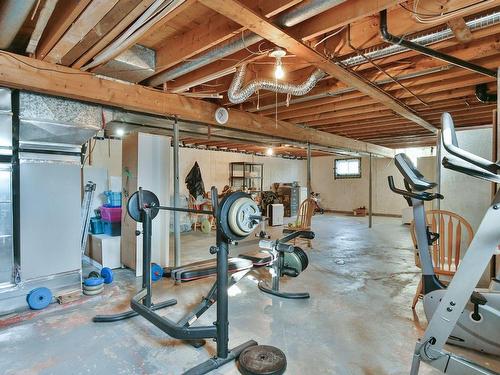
[40,76]
[246,17]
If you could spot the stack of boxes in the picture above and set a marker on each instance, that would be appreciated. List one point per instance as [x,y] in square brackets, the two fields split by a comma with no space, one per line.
[111,214]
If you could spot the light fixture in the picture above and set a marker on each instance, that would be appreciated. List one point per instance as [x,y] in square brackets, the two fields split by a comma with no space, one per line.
[120,132]
[270,151]
[278,54]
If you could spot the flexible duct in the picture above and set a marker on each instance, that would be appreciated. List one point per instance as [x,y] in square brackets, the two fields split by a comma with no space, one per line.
[238,94]
[483,95]
[12,16]
[305,10]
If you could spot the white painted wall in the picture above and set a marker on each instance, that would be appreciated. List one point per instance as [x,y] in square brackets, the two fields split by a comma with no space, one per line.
[464,195]
[348,194]
[214,167]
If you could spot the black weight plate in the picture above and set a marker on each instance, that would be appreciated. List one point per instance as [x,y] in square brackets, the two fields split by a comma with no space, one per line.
[149,199]
[262,360]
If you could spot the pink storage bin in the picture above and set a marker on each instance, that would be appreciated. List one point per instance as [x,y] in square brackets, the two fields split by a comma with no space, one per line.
[111,214]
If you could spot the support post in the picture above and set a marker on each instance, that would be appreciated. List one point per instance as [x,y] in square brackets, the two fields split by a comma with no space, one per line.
[308,170]
[370,194]
[177,227]
[437,202]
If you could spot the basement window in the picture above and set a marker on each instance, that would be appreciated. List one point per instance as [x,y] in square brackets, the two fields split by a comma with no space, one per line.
[347,168]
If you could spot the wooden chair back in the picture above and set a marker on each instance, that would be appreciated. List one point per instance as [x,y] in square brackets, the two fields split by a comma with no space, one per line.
[455,235]
[305,214]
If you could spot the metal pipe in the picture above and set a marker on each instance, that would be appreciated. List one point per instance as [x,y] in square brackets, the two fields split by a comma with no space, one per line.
[177,227]
[309,170]
[12,17]
[291,18]
[370,193]
[238,94]
[388,37]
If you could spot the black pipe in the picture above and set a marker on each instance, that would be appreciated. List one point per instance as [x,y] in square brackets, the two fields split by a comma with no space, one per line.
[222,297]
[483,95]
[388,37]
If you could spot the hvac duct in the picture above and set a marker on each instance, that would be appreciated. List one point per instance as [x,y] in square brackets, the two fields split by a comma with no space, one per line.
[238,94]
[304,11]
[12,16]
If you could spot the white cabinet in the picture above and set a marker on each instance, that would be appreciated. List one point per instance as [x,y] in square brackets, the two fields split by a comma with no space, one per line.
[105,250]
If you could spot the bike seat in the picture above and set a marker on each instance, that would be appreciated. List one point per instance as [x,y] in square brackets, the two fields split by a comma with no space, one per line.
[478,299]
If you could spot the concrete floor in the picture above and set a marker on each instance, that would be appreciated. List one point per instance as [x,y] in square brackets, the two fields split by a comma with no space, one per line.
[358,320]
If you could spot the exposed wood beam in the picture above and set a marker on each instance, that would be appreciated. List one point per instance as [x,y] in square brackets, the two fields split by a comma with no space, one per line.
[65,14]
[246,17]
[341,15]
[40,76]
[103,27]
[92,14]
[41,23]
[110,36]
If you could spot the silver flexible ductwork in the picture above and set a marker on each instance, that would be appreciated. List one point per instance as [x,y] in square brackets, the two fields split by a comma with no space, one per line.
[13,13]
[305,10]
[238,94]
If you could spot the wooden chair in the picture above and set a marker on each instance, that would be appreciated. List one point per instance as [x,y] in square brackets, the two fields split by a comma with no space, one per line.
[197,219]
[455,234]
[303,221]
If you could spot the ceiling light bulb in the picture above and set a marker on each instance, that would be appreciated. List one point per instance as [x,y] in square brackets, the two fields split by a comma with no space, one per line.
[269,151]
[279,73]
[120,132]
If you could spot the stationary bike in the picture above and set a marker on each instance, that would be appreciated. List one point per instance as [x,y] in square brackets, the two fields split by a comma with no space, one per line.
[457,314]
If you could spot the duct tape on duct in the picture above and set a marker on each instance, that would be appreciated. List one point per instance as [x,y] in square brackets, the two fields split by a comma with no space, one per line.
[57,121]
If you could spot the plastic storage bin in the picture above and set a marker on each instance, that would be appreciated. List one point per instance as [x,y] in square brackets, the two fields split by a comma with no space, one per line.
[112,229]
[96,226]
[114,199]
[111,214]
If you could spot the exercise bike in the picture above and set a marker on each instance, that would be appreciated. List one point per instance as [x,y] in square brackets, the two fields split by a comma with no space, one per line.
[237,215]
[457,314]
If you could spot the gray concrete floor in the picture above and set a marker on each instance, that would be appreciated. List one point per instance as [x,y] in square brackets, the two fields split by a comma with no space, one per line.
[358,320]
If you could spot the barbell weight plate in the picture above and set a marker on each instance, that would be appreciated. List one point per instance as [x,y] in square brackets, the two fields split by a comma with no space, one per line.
[93,292]
[262,360]
[107,275]
[94,274]
[156,272]
[239,216]
[95,287]
[206,227]
[149,199]
[39,298]
[93,281]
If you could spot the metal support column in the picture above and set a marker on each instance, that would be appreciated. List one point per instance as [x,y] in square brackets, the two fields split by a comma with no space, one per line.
[308,170]
[177,227]
[437,202]
[370,194]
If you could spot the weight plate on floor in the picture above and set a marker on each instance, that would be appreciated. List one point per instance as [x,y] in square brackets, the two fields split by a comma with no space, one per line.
[149,199]
[262,360]
[206,227]
[93,292]
[94,287]
[107,275]
[93,281]
[39,298]
[156,272]
[94,274]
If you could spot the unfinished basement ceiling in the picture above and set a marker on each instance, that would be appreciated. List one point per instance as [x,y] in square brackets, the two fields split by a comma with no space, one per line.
[191,48]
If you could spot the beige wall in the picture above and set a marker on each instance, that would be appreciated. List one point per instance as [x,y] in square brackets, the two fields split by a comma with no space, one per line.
[214,165]
[347,194]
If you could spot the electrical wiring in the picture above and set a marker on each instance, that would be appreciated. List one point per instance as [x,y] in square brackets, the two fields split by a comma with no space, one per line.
[330,35]
[428,18]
